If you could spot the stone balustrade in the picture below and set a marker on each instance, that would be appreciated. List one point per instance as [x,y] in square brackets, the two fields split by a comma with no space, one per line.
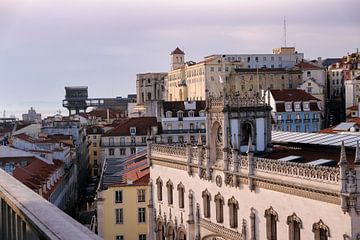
[26,215]
[262,165]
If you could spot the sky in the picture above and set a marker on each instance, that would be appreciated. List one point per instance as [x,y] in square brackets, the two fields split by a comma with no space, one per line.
[46,45]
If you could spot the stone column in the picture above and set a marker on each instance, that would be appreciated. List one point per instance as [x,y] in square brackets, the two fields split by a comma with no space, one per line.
[197,223]
[343,168]
[252,224]
[152,217]
[190,221]
[225,140]
[251,167]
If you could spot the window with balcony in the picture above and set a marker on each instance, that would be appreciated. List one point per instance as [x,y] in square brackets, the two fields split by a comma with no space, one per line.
[132,150]
[122,151]
[191,113]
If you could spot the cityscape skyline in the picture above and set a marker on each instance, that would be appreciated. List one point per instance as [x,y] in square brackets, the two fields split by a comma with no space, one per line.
[104,46]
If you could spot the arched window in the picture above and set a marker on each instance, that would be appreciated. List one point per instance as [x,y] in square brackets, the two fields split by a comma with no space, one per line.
[246,133]
[321,231]
[181,191]
[206,202]
[219,203]
[149,96]
[159,185]
[170,187]
[233,212]
[271,219]
[295,225]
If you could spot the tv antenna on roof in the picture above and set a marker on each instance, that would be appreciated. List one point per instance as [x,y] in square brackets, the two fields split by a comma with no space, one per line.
[285,30]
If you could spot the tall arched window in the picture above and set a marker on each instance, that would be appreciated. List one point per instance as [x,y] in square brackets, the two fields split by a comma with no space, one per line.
[170,232]
[206,202]
[295,225]
[271,219]
[321,231]
[181,191]
[159,185]
[219,203]
[233,212]
[170,187]
[181,234]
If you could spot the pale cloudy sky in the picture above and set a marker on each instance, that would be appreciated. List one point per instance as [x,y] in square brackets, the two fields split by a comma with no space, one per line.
[48,44]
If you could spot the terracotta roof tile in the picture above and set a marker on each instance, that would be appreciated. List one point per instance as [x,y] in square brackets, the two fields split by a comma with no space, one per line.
[292,95]
[142,125]
[307,65]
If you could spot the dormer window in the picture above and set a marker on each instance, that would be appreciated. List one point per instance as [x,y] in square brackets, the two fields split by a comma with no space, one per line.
[297,106]
[191,113]
[288,107]
[306,106]
[168,114]
[133,131]
[180,115]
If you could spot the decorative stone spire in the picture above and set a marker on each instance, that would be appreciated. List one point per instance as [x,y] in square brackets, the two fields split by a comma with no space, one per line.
[250,146]
[357,154]
[199,142]
[342,160]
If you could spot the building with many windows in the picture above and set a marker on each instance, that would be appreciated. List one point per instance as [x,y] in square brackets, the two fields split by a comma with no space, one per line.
[294,110]
[183,121]
[93,134]
[188,81]
[123,198]
[241,186]
[128,137]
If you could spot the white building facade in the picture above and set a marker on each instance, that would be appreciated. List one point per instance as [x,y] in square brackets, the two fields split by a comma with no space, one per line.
[217,191]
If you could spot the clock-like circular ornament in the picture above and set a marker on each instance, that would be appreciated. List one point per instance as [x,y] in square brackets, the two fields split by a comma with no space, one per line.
[218,180]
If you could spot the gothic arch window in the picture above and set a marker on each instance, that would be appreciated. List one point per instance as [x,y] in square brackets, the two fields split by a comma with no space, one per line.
[271,220]
[233,212]
[295,224]
[219,203]
[181,233]
[206,202]
[170,187]
[159,185]
[321,231]
[246,132]
[181,193]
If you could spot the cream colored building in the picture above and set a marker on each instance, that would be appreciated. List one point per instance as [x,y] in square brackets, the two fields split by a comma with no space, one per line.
[125,211]
[189,80]
[93,134]
[237,187]
[150,87]
[245,81]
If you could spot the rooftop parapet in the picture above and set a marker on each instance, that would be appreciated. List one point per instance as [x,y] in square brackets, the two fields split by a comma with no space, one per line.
[26,215]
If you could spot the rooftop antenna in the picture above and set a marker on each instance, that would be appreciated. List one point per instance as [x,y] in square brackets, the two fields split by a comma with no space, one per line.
[285,30]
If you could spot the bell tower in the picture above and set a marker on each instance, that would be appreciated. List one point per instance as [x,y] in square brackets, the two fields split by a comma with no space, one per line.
[177,59]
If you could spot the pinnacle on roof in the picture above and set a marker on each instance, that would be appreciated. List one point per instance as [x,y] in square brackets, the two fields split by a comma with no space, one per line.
[177,51]
[342,160]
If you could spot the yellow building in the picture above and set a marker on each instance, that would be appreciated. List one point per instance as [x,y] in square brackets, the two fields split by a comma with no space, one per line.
[122,204]
[94,137]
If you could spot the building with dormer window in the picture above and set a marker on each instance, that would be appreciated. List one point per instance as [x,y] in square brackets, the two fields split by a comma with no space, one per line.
[128,137]
[294,110]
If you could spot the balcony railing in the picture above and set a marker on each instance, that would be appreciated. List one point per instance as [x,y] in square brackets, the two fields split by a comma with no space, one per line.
[307,120]
[26,215]
[183,131]
[315,120]
[120,144]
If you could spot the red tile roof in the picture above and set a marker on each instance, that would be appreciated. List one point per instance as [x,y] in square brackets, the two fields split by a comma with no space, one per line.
[142,124]
[307,65]
[177,51]
[292,95]
[355,107]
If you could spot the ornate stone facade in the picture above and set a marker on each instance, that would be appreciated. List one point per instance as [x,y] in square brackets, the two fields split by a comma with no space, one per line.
[261,198]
